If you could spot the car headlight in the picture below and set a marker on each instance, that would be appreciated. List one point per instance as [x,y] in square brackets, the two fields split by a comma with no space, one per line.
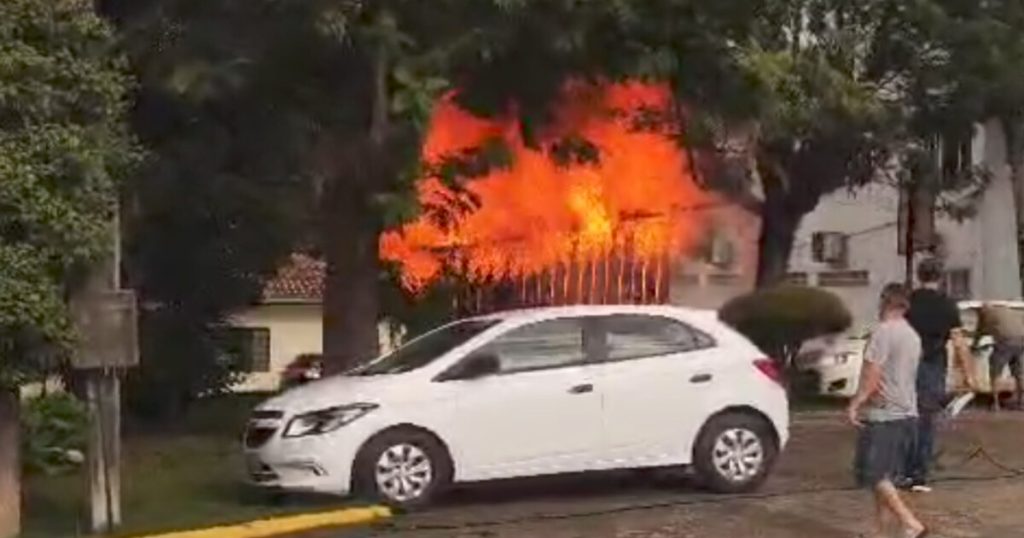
[843,358]
[326,420]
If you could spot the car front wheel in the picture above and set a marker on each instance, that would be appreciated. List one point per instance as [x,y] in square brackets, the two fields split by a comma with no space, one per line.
[735,453]
[403,468]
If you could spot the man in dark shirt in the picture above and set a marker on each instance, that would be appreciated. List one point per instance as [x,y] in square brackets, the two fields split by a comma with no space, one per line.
[936,319]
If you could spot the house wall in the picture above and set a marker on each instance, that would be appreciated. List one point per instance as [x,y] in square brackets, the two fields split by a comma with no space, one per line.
[868,216]
[295,329]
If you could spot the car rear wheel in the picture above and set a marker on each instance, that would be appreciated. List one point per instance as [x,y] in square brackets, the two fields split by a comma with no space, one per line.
[403,468]
[735,453]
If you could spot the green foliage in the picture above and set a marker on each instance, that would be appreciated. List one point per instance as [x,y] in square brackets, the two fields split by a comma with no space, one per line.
[781,318]
[53,434]
[63,151]
[182,360]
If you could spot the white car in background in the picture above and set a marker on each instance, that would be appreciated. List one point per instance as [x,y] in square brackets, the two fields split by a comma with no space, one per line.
[527,393]
[837,370]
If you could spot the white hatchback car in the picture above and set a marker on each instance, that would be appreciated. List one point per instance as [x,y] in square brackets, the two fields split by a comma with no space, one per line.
[527,393]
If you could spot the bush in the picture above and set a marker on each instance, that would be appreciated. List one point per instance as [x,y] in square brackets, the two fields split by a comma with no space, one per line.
[54,430]
[182,359]
[780,319]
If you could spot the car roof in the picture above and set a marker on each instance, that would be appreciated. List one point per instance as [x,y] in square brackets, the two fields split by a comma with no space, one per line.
[967,305]
[548,312]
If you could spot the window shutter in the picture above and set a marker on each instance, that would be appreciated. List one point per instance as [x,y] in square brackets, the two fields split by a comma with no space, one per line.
[259,350]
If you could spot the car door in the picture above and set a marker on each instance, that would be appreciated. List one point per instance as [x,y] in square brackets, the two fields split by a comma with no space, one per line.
[656,375]
[541,414]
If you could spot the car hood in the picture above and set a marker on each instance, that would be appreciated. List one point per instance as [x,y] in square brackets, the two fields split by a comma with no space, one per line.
[332,391]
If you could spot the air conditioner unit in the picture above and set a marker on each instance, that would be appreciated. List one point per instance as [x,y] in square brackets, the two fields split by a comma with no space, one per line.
[829,247]
[722,253]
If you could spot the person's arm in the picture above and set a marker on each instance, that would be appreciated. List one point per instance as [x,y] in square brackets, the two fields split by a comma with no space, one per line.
[870,381]
[875,354]
[963,357]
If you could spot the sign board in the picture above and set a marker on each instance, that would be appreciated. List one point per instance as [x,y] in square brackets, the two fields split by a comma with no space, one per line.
[107,328]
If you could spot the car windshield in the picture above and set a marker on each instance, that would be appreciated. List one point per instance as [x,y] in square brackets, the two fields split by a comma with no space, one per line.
[424,349]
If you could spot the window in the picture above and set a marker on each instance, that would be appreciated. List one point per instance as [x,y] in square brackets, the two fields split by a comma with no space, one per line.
[636,336]
[423,350]
[957,153]
[829,247]
[958,284]
[248,349]
[547,344]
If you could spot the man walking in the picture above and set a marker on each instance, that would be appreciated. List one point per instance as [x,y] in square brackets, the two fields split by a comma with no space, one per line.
[1006,327]
[888,396]
[936,319]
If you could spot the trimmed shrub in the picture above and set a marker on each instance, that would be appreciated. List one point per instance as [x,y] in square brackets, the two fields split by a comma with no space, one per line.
[780,319]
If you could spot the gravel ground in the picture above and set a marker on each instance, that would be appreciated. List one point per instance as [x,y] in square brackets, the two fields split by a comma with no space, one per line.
[807,496]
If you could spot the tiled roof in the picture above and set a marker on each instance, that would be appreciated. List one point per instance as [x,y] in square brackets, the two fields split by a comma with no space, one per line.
[300,279]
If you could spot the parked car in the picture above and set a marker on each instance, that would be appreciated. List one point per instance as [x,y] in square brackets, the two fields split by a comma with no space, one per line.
[305,368]
[838,369]
[527,393]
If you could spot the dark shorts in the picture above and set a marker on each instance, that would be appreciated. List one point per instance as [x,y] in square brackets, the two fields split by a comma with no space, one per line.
[881,450]
[1006,354]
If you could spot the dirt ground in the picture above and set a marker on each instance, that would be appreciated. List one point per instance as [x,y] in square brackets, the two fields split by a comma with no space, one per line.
[809,495]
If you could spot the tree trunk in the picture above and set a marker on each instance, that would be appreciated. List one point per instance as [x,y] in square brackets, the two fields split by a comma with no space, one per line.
[779,221]
[10,465]
[1013,128]
[351,301]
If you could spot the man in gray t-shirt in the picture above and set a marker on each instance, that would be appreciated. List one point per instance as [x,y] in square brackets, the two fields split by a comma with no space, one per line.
[895,348]
[888,396]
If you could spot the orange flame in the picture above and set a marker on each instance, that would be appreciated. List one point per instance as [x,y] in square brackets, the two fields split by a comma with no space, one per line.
[560,232]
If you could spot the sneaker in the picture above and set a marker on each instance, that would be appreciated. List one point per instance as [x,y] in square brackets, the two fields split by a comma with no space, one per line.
[921,488]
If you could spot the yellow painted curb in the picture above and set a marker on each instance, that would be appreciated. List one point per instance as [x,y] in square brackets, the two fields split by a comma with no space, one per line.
[286,524]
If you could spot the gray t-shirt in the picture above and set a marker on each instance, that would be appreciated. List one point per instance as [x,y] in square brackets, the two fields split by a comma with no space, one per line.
[896,348]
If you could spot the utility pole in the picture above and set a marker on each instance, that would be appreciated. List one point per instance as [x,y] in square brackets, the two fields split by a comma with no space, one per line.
[105,318]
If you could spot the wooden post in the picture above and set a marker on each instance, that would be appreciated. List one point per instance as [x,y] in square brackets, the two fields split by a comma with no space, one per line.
[10,465]
[105,316]
[99,520]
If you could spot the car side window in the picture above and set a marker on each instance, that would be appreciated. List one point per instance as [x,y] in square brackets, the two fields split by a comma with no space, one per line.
[546,344]
[631,336]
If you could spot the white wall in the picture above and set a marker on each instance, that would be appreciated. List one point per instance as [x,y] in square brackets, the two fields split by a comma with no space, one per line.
[868,215]
[294,329]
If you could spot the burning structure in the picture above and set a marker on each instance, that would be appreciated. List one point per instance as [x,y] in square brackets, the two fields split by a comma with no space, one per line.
[546,231]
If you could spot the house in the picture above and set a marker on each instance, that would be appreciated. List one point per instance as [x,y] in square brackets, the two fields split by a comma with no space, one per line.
[850,243]
[286,323]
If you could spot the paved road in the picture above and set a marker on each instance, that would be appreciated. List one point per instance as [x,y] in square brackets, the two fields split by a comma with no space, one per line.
[808,496]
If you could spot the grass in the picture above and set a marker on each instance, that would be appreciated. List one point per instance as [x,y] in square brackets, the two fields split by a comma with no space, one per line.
[171,481]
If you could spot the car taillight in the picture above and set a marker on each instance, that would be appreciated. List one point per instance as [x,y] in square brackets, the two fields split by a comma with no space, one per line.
[769,368]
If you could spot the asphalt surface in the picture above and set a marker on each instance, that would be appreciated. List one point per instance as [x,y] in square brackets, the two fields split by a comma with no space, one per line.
[809,495]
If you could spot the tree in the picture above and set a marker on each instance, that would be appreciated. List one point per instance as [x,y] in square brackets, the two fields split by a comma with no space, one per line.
[215,208]
[982,56]
[351,85]
[63,150]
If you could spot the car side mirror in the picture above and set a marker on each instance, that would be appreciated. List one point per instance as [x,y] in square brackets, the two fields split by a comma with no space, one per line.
[477,366]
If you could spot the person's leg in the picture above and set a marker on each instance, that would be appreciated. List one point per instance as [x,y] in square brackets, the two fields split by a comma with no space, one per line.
[924,447]
[1014,363]
[996,363]
[881,522]
[889,497]
[913,466]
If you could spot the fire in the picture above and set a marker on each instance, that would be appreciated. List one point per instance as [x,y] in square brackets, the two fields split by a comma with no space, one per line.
[594,232]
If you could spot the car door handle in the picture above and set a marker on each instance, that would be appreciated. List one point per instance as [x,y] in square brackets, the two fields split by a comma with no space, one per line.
[701,378]
[582,389]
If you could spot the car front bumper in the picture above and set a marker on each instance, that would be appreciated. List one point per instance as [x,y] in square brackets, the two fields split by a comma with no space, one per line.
[314,464]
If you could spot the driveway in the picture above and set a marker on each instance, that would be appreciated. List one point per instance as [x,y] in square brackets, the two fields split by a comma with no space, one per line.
[808,496]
